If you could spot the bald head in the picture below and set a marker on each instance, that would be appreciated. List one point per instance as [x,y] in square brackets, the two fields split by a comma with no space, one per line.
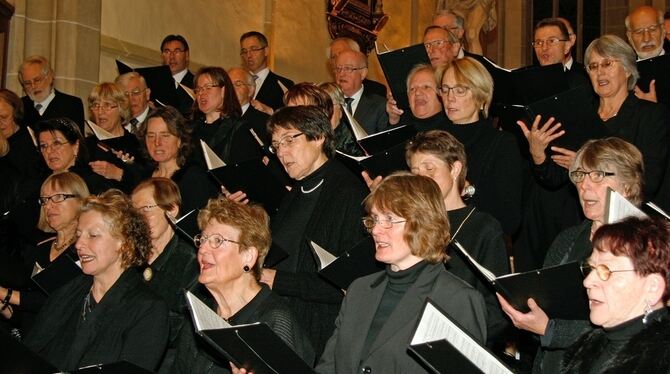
[644,29]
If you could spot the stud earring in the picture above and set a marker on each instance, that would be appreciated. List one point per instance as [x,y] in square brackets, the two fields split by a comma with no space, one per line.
[246,268]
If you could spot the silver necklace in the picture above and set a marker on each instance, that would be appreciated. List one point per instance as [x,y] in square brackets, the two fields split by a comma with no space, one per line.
[302,188]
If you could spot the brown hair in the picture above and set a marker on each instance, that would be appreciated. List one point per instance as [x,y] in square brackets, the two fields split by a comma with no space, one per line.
[230,106]
[308,119]
[646,242]
[125,223]
[176,125]
[69,183]
[15,102]
[165,192]
[251,220]
[418,200]
[311,94]
[442,145]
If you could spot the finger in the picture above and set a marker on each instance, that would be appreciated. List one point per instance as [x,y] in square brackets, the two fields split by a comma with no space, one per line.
[536,122]
[366,178]
[532,304]
[563,151]
[524,128]
[546,124]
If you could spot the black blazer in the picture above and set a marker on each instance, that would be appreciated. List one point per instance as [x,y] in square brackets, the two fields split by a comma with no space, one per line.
[271,93]
[63,105]
[129,323]
[183,101]
[257,120]
[371,112]
[388,352]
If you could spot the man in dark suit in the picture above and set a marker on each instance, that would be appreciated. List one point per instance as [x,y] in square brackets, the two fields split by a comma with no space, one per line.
[245,87]
[337,46]
[351,67]
[175,54]
[135,88]
[42,101]
[553,41]
[270,87]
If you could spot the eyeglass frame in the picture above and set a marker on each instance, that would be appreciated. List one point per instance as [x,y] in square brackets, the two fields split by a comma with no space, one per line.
[439,43]
[43,200]
[134,93]
[285,141]
[175,51]
[35,82]
[347,69]
[245,51]
[55,145]
[370,222]
[448,89]
[607,64]
[600,176]
[146,208]
[205,88]
[201,238]
[587,268]
[551,42]
[104,106]
[651,29]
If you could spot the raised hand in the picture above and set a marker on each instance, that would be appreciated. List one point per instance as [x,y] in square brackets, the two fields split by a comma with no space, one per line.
[539,137]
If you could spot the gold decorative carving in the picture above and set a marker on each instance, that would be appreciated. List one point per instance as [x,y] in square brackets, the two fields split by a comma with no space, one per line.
[360,20]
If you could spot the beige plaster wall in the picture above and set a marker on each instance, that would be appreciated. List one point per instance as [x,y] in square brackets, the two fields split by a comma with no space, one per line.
[296,30]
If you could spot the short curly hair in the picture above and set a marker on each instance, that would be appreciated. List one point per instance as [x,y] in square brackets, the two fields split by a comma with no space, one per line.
[251,220]
[125,223]
[418,200]
[645,241]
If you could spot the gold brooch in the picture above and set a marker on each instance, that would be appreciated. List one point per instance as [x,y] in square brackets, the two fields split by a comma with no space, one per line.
[148,274]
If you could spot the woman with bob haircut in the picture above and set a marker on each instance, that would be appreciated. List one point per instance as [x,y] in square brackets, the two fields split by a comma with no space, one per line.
[628,283]
[60,199]
[107,314]
[232,247]
[599,165]
[216,118]
[323,206]
[408,222]
[436,154]
[495,168]
[171,267]
[122,161]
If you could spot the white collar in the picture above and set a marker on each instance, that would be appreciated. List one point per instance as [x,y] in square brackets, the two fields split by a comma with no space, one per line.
[143,115]
[45,103]
[245,107]
[179,76]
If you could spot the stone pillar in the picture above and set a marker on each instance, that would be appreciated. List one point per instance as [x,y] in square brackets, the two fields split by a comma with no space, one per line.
[67,32]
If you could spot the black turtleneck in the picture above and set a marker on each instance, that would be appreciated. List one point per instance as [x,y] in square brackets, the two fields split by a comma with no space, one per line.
[618,336]
[289,236]
[398,284]
[438,121]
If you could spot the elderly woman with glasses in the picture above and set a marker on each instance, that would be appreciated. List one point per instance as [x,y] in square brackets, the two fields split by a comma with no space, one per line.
[408,222]
[232,247]
[216,118]
[107,314]
[60,199]
[494,162]
[171,265]
[323,206]
[628,283]
[599,165]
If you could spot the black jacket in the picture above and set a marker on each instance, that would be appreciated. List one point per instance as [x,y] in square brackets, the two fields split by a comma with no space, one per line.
[62,105]
[271,93]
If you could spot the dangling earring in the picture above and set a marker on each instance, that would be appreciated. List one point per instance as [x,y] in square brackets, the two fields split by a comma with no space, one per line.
[246,268]
[647,312]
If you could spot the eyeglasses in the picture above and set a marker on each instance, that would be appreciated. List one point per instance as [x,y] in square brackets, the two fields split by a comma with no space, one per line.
[370,222]
[104,106]
[175,51]
[56,145]
[35,82]
[459,91]
[606,65]
[423,88]
[596,176]
[435,44]
[146,208]
[347,69]
[241,83]
[550,42]
[286,141]
[205,89]
[603,272]
[214,240]
[57,198]
[245,51]
[643,30]
[134,93]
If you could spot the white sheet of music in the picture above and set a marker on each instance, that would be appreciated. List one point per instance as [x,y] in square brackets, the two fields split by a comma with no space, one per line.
[204,318]
[435,326]
[618,208]
[325,258]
